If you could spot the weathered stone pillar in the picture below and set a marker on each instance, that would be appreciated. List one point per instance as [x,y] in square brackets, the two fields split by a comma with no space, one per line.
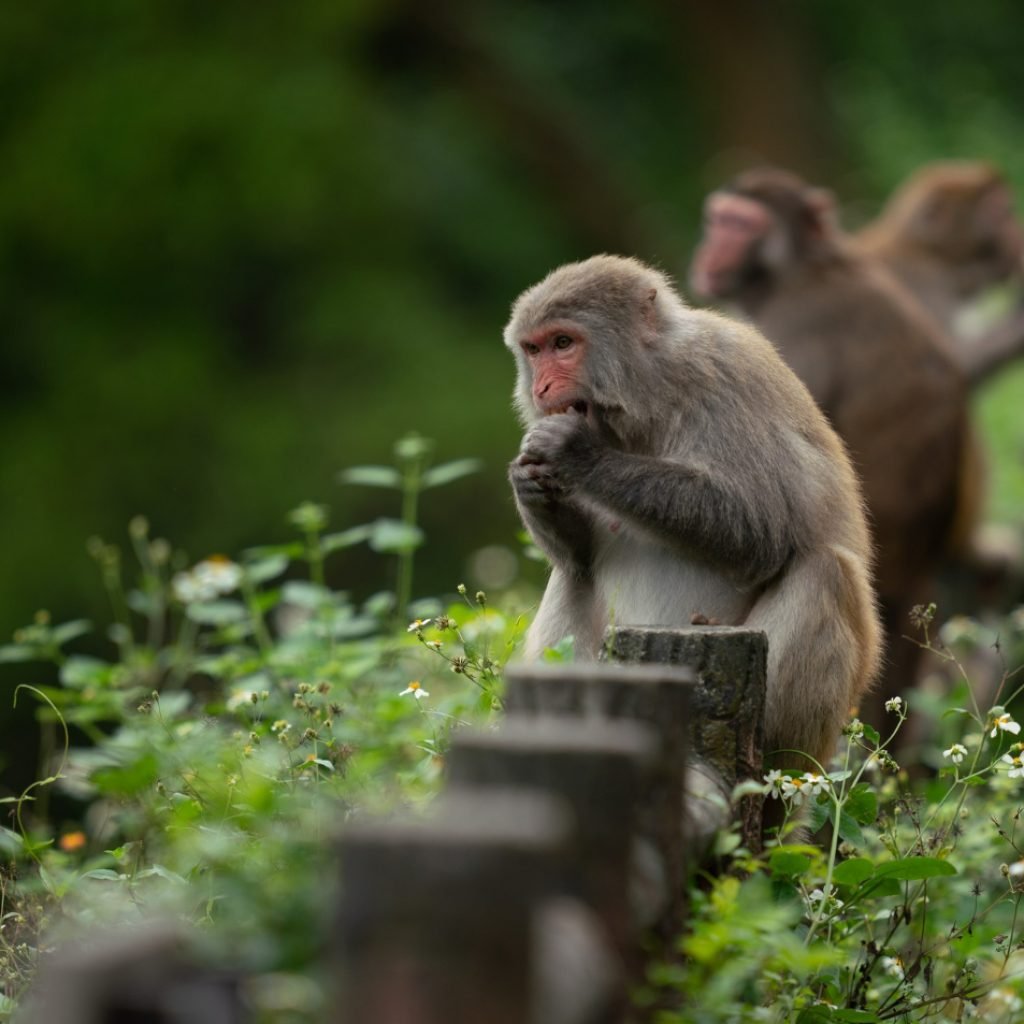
[439,915]
[656,696]
[598,767]
[727,704]
[140,974]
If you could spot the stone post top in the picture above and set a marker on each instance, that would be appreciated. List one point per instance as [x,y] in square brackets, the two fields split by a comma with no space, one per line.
[683,631]
[466,817]
[562,734]
[652,674]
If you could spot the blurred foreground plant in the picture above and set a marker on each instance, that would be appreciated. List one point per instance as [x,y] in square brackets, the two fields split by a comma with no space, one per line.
[249,708]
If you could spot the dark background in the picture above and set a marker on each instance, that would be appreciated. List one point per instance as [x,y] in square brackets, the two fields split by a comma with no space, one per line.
[245,245]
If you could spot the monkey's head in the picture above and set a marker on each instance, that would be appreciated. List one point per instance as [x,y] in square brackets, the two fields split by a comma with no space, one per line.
[587,335]
[961,214]
[758,227]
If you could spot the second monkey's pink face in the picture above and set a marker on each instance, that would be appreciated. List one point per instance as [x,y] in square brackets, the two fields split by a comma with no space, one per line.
[555,353]
[733,225]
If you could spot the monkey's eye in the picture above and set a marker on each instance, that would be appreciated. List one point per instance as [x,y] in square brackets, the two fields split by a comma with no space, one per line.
[562,341]
[530,348]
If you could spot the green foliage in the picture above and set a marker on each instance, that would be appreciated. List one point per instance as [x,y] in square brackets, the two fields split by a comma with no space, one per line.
[909,912]
[248,711]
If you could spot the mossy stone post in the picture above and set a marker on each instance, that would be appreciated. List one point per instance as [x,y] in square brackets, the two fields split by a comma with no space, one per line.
[599,767]
[140,973]
[656,696]
[727,704]
[438,915]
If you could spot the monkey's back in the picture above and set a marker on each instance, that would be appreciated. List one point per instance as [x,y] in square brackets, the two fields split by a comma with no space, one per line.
[886,378]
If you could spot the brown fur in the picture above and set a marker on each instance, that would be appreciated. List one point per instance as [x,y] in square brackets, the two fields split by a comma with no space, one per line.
[702,480]
[882,371]
[947,233]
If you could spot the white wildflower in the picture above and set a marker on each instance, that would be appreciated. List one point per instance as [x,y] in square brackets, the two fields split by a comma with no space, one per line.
[416,690]
[219,573]
[189,589]
[894,704]
[956,753]
[1003,722]
[1009,1000]
[815,783]
[830,903]
[893,965]
[773,783]
[417,624]
[1016,766]
[794,790]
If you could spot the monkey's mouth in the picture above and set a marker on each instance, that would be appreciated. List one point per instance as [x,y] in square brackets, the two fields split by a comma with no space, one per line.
[578,406]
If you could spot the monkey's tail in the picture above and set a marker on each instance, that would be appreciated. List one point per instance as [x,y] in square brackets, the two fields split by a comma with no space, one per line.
[824,650]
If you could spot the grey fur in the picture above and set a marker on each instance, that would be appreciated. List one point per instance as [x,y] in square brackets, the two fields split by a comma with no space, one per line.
[702,480]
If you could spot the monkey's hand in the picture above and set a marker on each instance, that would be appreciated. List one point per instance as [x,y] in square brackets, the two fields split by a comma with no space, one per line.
[564,443]
[542,481]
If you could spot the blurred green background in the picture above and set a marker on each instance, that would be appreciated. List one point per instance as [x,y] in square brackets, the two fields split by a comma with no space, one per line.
[244,246]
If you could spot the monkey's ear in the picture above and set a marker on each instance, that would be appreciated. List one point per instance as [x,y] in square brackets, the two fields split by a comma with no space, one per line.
[929,223]
[649,315]
[822,218]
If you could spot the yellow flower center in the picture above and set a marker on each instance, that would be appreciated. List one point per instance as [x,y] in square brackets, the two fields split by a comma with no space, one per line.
[415,686]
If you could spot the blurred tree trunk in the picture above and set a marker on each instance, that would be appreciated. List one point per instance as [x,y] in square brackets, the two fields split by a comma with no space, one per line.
[538,134]
[756,64]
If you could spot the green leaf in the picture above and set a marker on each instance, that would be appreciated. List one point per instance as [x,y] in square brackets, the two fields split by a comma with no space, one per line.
[105,875]
[862,804]
[305,594]
[295,549]
[18,652]
[217,613]
[564,650]
[346,539]
[853,871]
[372,476]
[259,570]
[855,1016]
[871,734]
[380,604]
[393,537]
[818,814]
[127,779]
[956,711]
[80,671]
[782,862]
[449,471]
[815,1015]
[11,843]
[70,630]
[161,872]
[913,869]
[849,830]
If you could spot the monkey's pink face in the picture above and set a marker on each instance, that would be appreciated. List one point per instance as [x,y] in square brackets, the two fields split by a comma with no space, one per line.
[555,353]
[733,226]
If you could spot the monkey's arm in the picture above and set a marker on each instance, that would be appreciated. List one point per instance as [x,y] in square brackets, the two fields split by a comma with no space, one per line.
[558,526]
[735,517]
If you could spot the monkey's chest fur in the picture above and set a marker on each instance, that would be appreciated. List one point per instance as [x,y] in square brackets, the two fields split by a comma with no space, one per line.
[639,582]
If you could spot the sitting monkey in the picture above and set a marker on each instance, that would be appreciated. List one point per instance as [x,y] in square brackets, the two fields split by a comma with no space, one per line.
[674,466]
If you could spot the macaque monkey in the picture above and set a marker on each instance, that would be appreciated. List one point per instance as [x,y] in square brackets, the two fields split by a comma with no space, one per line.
[674,467]
[949,232]
[877,364]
